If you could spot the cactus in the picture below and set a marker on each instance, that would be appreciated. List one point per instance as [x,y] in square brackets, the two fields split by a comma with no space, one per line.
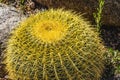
[54,45]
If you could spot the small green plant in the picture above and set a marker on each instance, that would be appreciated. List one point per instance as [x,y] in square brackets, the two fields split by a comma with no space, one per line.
[98,14]
[22,2]
[1,1]
[114,56]
[54,45]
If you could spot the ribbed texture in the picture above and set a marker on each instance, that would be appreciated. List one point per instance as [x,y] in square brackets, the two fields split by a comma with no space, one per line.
[76,55]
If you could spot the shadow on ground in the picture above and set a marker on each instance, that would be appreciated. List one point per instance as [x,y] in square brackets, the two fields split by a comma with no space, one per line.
[111,36]
[111,39]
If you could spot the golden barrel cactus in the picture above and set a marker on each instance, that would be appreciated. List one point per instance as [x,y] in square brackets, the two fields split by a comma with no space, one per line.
[54,45]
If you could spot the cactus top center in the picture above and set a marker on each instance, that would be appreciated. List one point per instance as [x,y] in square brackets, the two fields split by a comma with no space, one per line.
[49,31]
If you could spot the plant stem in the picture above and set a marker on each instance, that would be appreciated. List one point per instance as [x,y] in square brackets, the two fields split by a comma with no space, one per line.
[98,14]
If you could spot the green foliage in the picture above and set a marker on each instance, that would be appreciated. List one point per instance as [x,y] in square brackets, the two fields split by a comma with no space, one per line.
[1,1]
[54,45]
[98,14]
[114,56]
[22,1]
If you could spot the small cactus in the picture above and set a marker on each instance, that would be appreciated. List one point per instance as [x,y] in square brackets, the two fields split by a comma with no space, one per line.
[54,45]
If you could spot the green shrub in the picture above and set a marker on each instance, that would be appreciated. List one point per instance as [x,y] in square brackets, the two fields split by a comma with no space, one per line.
[54,44]
[114,59]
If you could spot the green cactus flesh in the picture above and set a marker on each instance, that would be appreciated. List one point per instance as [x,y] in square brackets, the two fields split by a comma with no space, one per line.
[54,45]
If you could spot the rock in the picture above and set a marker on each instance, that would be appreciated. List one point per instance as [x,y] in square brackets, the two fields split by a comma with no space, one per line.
[117,76]
[111,11]
[9,19]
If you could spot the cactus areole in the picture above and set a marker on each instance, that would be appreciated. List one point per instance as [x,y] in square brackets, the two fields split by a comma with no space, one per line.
[54,45]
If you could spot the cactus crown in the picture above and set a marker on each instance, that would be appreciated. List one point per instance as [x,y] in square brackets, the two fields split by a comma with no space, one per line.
[49,31]
[54,44]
